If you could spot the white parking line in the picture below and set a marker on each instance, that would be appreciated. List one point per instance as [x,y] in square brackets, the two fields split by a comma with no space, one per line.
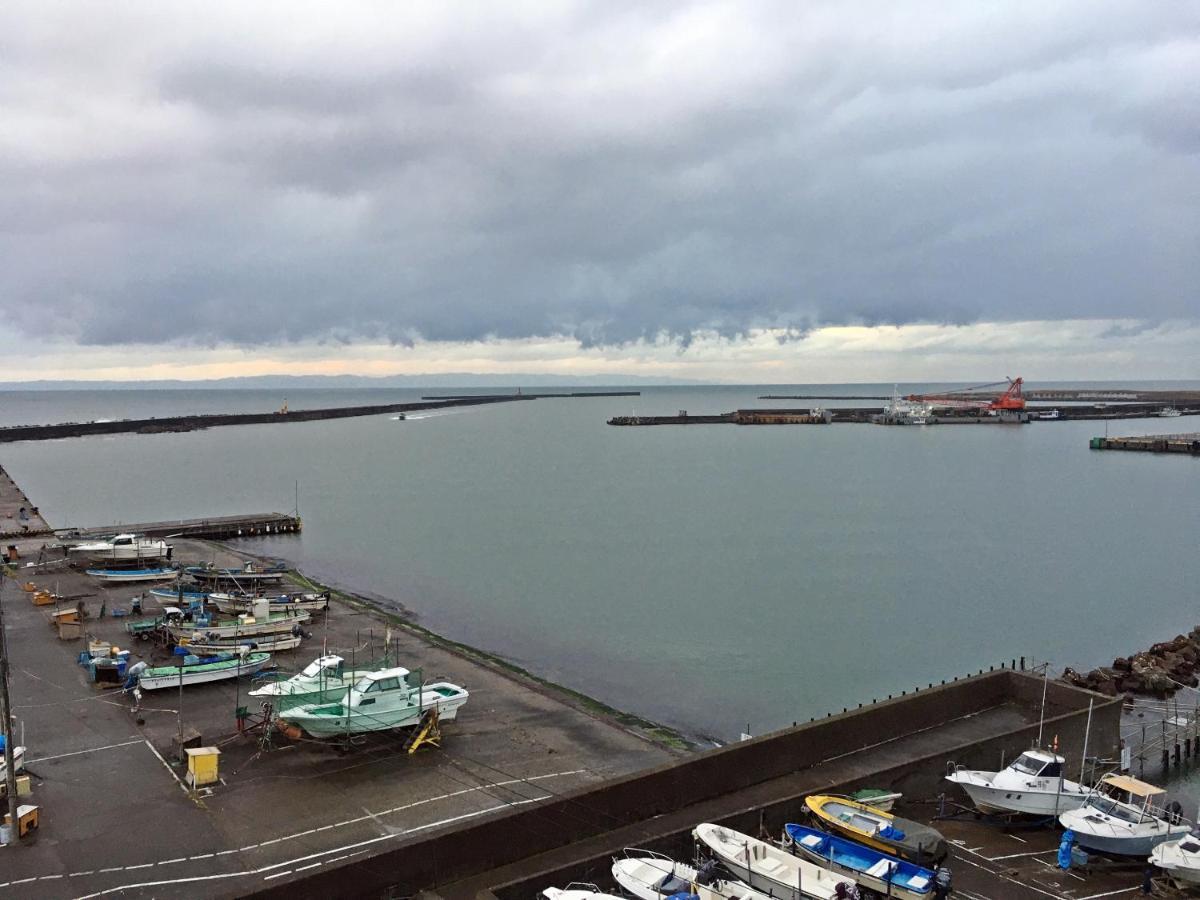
[81,752]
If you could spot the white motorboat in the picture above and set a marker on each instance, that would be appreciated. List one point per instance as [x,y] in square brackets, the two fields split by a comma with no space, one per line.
[325,678]
[647,875]
[200,670]
[1119,817]
[1169,412]
[1032,784]
[1180,859]
[768,868]
[268,643]
[577,890]
[132,574]
[378,701]
[124,548]
[228,603]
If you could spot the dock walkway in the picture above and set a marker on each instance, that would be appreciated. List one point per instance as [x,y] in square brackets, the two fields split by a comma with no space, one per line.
[18,517]
[215,528]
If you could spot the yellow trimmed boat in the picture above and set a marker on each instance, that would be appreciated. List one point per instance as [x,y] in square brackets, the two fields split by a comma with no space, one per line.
[878,829]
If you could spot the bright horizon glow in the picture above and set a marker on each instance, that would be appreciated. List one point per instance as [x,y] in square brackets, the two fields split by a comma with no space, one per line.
[1047,351]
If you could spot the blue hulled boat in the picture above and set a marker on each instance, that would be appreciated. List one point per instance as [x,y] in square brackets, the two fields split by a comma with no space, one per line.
[869,867]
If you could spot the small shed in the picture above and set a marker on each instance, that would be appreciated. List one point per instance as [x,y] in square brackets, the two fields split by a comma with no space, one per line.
[202,765]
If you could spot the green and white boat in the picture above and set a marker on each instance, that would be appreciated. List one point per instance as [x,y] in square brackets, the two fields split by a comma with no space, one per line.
[243,626]
[325,678]
[202,669]
[378,701]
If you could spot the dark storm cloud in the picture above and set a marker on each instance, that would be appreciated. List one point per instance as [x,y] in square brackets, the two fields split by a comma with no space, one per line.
[257,174]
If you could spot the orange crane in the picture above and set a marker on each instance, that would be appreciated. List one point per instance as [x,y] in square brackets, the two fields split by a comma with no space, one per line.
[1010,399]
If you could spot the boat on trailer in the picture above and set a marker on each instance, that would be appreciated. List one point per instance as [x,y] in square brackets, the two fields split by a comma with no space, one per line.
[1180,859]
[228,603]
[1120,817]
[881,872]
[378,701]
[768,868]
[1032,784]
[201,670]
[878,829]
[325,678]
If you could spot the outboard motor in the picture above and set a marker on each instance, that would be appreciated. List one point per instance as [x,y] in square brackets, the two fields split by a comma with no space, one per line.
[706,874]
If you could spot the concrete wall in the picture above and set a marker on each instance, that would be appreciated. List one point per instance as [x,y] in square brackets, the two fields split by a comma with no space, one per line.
[488,844]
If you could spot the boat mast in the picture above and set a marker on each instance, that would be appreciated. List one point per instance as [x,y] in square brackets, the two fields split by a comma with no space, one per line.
[1042,717]
[10,773]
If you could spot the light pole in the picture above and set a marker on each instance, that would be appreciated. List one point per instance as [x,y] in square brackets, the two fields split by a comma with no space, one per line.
[10,773]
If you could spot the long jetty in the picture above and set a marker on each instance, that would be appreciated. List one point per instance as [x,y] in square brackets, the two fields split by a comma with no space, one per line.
[1061,395]
[213,527]
[217,420]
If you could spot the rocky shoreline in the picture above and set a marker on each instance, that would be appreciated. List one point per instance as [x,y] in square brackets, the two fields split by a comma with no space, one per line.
[1158,672]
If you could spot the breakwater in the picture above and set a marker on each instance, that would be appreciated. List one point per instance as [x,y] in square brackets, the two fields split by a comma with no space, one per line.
[1151,443]
[198,422]
[528,396]
[1059,395]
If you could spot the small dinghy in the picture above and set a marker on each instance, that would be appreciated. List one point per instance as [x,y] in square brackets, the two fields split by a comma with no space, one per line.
[1180,859]
[768,868]
[200,670]
[647,875]
[1120,817]
[904,838]
[132,574]
[876,798]
[1032,784]
[577,890]
[871,868]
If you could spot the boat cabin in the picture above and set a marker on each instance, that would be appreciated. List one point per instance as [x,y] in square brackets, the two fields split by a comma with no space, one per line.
[1038,763]
[325,667]
[387,685]
[1125,798]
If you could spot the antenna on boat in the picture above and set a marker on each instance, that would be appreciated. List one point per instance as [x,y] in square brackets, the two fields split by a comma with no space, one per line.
[1042,717]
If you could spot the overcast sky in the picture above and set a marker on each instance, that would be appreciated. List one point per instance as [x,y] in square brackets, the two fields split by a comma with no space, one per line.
[702,189]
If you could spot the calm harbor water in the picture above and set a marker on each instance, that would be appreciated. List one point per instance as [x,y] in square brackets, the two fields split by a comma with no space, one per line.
[708,577]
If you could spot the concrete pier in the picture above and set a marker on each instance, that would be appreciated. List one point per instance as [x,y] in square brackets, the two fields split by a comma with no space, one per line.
[1151,443]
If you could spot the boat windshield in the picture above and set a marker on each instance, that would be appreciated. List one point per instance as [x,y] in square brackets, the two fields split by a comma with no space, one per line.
[1116,809]
[314,668]
[1027,764]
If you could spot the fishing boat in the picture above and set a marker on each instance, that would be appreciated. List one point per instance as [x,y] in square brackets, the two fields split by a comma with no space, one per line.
[185,594]
[378,701]
[1032,784]
[248,576]
[201,670]
[647,875]
[1169,412]
[577,890]
[874,869]
[766,867]
[228,603]
[132,574]
[325,678]
[243,626]
[877,798]
[1119,816]
[1180,859]
[878,829]
[268,643]
[124,548]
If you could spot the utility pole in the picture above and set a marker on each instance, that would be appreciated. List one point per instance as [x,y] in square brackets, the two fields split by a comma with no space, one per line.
[10,774]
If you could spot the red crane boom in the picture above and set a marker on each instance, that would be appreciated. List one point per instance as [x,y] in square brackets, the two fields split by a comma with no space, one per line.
[1010,399]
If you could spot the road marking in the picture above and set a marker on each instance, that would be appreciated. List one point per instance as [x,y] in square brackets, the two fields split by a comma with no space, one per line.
[81,874]
[1110,893]
[42,759]
[282,865]
[306,868]
[167,766]
[1012,880]
[142,866]
[278,875]
[167,862]
[203,856]
[1018,855]
[1015,838]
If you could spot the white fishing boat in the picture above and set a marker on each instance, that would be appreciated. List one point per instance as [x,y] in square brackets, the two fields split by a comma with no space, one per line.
[268,643]
[647,875]
[1119,817]
[325,678]
[124,548]
[201,670]
[1032,784]
[577,890]
[766,867]
[132,574]
[203,628]
[228,603]
[378,701]
[1180,859]
[1169,412]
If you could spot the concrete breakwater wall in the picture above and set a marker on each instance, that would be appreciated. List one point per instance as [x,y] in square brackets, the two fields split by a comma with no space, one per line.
[906,741]
[196,422]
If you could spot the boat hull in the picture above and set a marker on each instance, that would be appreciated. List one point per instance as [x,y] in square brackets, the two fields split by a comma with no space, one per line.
[329,726]
[868,867]
[1026,801]
[203,675]
[267,643]
[1179,865]
[132,574]
[915,842]
[764,873]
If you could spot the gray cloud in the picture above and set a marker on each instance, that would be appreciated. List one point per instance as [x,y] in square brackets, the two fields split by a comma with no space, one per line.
[270,174]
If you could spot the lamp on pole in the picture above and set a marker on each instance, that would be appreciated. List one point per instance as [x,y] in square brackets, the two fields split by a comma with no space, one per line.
[10,773]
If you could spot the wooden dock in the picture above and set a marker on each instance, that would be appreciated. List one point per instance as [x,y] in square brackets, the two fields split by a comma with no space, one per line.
[213,527]
[1152,443]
